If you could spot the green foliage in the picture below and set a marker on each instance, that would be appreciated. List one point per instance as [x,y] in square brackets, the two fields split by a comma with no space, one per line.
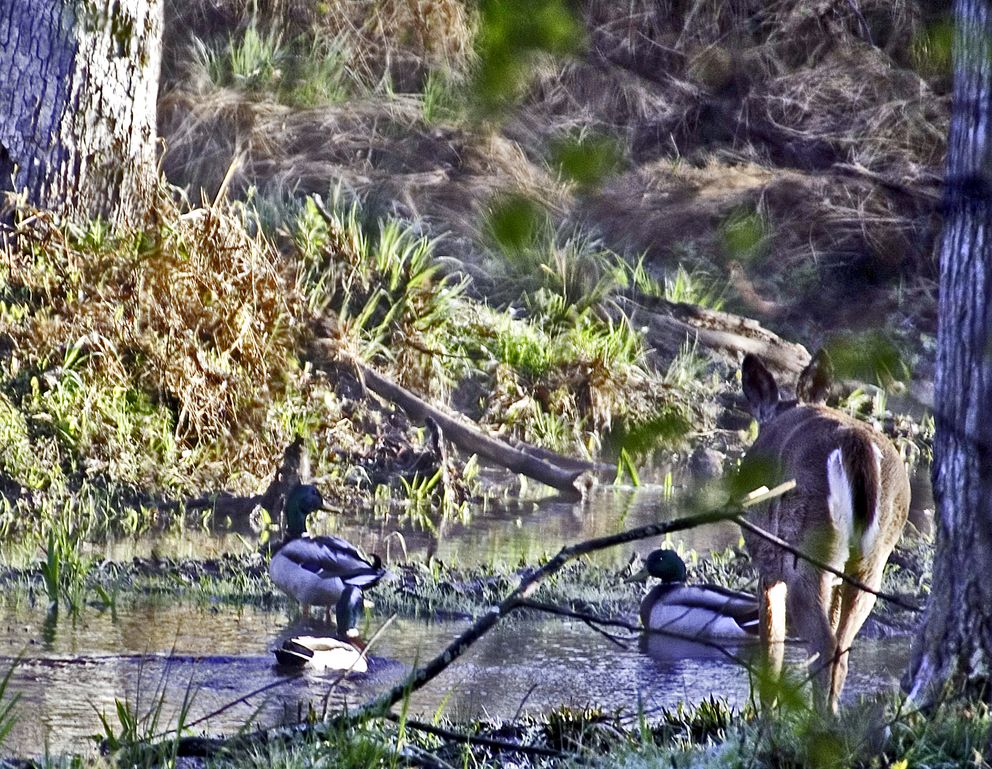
[514,222]
[586,159]
[441,97]
[931,50]
[383,281]
[136,738]
[511,33]
[304,72]
[8,703]
[65,568]
[869,357]
[744,235]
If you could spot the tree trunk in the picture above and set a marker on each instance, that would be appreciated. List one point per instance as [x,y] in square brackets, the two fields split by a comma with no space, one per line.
[78,85]
[955,644]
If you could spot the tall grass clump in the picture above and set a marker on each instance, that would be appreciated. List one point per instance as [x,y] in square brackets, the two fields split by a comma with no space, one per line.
[143,357]
[382,280]
[299,70]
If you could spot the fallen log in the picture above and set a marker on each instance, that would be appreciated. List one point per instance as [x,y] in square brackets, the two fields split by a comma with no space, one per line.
[573,482]
[573,478]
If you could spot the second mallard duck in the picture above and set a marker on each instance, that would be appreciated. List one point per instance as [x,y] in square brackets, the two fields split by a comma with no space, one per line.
[321,571]
[701,612]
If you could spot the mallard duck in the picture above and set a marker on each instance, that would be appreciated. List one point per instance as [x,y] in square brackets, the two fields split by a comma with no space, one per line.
[321,654]
[321,571]
[704,612]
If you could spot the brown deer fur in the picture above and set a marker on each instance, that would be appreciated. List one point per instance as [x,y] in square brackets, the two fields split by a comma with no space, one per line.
[847,510]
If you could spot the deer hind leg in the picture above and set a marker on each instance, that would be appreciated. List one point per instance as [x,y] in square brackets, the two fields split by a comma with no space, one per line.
[772,599]
[810,608]
[855,606]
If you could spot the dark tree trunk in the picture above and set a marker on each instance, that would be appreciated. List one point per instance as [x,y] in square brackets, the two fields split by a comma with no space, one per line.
[955,644]
[78,85]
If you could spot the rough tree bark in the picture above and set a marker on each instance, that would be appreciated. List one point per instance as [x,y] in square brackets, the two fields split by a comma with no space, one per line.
[78,85]
[955,643]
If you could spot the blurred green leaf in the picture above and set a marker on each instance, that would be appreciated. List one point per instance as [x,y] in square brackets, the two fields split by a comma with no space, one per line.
[754,472]
[511,32]
[514,221]
[586,160]
[743,233]
[663,430]
[869,357]
[931,49]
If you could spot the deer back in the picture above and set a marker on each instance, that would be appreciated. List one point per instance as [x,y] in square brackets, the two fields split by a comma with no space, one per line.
[852,491]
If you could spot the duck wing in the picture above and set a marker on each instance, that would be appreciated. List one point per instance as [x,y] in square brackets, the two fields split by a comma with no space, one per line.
[741,607]
[334,558]
[701,610]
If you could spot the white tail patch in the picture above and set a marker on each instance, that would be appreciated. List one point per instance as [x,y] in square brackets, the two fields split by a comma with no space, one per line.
[871,533]
[841,503]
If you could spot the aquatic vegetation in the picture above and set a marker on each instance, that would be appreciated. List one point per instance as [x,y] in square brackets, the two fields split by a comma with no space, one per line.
[65,568]
[8,704]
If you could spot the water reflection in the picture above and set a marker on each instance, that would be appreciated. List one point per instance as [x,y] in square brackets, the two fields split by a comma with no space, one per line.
[507,532]
[154,657]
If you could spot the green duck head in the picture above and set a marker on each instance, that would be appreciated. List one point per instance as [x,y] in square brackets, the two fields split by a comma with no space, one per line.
[302,501]
[662,564]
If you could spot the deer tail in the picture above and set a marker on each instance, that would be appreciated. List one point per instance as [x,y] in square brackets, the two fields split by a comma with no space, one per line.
[854,471]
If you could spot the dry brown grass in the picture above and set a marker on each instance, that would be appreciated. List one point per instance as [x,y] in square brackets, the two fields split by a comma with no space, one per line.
[197,315]
[398,40]
[805,114]
[384,152]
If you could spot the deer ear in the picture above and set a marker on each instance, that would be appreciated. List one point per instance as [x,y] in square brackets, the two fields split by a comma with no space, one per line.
[759,387]
[816,379]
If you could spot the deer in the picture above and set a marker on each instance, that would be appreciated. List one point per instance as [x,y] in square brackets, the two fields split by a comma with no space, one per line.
[847,510]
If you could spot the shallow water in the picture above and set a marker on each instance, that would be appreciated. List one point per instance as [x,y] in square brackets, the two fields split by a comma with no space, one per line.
[155,657]
[511,531]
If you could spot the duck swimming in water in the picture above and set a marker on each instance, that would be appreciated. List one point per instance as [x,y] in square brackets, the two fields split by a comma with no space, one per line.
[702,612]
[321,571]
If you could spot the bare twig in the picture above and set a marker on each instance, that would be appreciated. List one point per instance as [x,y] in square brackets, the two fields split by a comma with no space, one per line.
[503,746]
[778,541]
[592,621]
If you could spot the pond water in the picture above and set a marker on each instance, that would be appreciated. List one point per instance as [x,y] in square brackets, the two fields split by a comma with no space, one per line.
[510,531]
[155,656]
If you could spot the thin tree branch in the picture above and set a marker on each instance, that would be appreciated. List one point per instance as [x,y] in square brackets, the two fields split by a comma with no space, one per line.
[775,540]
[591,620]
[504,746]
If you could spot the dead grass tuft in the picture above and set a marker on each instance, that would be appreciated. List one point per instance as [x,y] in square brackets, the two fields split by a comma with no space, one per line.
[194,320]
